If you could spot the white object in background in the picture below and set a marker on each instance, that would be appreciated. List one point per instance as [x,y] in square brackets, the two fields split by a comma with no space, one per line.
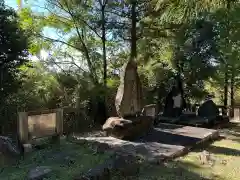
[177,101]
[27,148]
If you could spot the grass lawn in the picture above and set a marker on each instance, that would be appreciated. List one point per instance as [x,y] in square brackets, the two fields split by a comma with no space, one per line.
[222,162]
[218,161]
[65,160]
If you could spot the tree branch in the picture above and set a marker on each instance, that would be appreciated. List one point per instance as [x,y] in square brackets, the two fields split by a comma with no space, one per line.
[91,67]
[57,40]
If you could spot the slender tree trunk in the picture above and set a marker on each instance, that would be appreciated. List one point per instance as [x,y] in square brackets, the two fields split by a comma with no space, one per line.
[133,30]
[179,61]
[225,101]
[103,6]
[104,46]
[226,76]
[232,93]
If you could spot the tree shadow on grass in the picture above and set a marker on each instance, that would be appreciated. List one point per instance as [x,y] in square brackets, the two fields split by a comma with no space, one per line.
[234,136]
[174,170]
[232,132]
[224,151]
[217,149]
[233,126]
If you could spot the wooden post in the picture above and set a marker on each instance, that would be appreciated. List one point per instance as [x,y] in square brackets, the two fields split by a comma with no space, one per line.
[23,127]
[59,121]
[59,126]
[238,114]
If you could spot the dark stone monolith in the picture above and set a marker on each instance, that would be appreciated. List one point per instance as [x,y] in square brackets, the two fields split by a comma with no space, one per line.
[208,109]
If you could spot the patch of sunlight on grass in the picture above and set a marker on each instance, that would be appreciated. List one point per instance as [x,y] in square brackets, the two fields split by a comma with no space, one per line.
[223,163]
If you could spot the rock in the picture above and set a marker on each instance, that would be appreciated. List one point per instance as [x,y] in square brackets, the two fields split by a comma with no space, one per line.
[39,173]
[208,109]
[113,122]
[7,146]
[128,129]
[100,172]
[128,100]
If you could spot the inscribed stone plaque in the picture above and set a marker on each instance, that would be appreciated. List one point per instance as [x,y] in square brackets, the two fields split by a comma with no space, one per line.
[42,125]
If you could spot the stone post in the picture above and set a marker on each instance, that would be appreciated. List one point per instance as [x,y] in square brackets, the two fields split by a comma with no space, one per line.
[23,127]
[59,126]
[59,121]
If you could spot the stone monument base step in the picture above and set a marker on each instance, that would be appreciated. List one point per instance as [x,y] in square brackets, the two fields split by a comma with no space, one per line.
[166,141]
[194,121]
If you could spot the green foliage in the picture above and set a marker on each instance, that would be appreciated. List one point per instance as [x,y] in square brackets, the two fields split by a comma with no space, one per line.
[13,54]
[38,88]
[13,51]
[198,39]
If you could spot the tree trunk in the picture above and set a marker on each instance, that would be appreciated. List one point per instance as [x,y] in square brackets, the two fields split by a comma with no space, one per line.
[104,46]
[225,101]
[226,72]
[103,105]
[133,30]
[232,93]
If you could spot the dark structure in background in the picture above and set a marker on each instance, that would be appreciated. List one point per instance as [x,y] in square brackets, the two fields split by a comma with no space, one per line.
[169,110]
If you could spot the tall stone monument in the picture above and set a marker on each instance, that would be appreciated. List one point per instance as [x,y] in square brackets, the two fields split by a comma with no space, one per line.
[129,95]
[130,123]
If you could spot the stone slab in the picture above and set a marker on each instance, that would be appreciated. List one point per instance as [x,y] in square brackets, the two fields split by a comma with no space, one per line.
[164,141]
[189,131]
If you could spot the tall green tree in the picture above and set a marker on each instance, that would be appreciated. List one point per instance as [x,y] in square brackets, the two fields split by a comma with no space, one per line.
[13,54]
[175,15]
[227,26]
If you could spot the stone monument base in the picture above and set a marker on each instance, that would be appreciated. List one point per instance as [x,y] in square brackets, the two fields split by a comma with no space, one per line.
[128,129]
